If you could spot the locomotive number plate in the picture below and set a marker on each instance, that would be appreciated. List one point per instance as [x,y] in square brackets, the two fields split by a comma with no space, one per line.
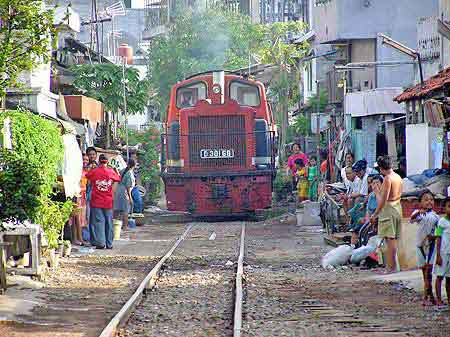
[216,153]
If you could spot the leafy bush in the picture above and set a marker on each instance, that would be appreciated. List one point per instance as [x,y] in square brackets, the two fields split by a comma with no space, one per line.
[52,216]
[282,185]
[20,187]
[149,160]
[38,142]
[29,171]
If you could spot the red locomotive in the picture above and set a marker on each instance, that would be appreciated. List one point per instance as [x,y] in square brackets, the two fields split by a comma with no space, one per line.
[218,153]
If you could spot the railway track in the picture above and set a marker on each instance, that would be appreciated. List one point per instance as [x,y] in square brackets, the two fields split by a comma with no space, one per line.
[194,290]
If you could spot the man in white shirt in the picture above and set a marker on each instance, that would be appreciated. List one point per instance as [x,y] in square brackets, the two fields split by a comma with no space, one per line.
[362,172]
[353,187]
[349,159]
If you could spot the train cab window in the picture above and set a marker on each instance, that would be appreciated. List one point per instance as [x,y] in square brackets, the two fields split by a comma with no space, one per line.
[189,95]
[244,94]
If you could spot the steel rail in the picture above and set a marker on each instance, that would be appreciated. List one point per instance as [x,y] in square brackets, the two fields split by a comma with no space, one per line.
[149,281]
[237,323]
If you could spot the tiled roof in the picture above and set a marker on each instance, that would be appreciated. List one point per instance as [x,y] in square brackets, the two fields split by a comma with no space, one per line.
[433,83]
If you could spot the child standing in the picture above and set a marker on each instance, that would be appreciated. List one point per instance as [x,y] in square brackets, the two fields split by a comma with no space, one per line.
[313,178]
[427,220]
[302,178]
[442,265]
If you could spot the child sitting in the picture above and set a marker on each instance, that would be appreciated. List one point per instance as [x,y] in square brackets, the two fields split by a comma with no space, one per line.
[427,220]
[313,178]
[361,212]
[302,182]
[442,264]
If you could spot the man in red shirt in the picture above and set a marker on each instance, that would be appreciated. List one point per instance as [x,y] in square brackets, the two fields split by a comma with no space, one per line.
[102,180]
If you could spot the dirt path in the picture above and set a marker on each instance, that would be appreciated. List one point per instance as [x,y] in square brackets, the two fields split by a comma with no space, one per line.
[85,292]
[288,294]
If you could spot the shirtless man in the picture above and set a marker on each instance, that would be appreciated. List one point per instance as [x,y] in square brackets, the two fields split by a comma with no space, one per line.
[389,210]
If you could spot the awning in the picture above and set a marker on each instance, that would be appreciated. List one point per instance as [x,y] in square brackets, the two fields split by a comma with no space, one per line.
[373,102]
[434,83]
[69,125]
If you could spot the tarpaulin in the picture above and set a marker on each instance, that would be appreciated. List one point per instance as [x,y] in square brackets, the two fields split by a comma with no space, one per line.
[72,166]
[373,102]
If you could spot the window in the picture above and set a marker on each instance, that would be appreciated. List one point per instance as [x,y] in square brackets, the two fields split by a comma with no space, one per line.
[244,94]
[189,95]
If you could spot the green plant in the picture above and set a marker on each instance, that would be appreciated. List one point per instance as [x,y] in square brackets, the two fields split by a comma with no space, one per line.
[26,31]
[322,99]
[104,82]
[20,187]
[38,142]
[282,185]
[275,47]
[52,217]
[149,158]
[301,125]
[198,41]
[29,171]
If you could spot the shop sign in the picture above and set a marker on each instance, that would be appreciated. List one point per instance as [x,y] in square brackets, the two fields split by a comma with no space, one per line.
[117,162]
[428,38]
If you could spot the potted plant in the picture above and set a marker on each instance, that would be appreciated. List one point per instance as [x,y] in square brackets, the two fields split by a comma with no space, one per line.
[67,248]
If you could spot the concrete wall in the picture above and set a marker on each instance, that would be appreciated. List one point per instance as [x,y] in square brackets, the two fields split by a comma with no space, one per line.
[406,252]
[339,21]
[363,51]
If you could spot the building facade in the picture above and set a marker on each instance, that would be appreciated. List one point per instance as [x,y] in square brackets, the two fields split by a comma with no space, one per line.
[363,73]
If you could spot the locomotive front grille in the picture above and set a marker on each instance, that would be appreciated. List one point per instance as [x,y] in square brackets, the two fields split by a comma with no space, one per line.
[217,142]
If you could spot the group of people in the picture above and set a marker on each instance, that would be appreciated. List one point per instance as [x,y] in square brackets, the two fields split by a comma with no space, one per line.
[105,192]
[305,174]
[373,197]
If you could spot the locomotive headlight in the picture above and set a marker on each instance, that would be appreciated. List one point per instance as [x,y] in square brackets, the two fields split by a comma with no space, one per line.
[216,89]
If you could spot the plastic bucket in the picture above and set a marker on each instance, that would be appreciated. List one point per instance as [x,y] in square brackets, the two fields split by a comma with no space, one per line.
[131,223]
[311,214]
[117,229]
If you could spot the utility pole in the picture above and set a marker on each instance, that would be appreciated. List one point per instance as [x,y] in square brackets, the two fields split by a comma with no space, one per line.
[94,27]
[125,112]
[318,129]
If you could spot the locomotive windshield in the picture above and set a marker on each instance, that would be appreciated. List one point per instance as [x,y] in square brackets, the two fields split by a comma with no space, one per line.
[244,93]
[189,95]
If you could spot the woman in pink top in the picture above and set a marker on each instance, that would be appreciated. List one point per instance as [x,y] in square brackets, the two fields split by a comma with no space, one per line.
[296,154]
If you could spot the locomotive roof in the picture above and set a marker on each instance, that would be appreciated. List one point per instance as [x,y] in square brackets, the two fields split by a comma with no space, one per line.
[239,72]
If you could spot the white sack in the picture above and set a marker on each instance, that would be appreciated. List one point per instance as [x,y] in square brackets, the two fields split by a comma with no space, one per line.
[337,257]
[361,253]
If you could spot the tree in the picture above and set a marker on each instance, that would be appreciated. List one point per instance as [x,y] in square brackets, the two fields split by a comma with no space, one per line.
[26,30]
[302,122]
[105,83]
[276,48]
[196,42]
